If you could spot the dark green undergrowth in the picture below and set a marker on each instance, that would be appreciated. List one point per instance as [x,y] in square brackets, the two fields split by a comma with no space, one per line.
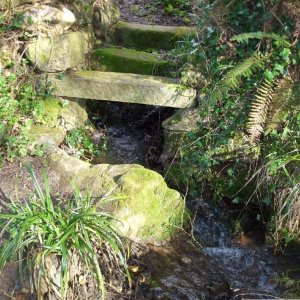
[246,61]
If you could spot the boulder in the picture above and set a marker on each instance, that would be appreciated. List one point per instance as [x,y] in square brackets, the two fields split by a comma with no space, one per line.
[148,211]
[67,114]
[46,20]
[49,138]
[59,53]
[6,59]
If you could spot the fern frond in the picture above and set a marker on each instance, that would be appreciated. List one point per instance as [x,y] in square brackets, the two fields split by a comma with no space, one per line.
[283,99]
[232,79]
[245,37]
[259,110]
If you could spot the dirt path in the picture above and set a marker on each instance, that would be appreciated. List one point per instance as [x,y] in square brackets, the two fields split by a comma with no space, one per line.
[152,12]
[15,182]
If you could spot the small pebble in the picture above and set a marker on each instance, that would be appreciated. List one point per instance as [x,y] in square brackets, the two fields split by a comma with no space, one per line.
[186,260]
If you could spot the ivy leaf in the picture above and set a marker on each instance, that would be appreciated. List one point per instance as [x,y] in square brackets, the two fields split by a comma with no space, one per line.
[269,75]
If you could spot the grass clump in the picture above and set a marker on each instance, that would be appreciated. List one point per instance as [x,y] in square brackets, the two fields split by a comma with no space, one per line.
[41,236]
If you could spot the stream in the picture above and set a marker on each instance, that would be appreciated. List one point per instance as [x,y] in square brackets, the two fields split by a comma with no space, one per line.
[207,261]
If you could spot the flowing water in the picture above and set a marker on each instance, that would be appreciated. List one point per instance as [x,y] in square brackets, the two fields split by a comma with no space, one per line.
[207,263]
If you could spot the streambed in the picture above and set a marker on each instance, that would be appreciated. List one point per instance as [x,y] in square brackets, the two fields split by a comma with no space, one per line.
[212,264]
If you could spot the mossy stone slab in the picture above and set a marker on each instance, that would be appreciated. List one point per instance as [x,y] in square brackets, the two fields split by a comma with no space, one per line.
[142,36]
[123,87]
[126,60]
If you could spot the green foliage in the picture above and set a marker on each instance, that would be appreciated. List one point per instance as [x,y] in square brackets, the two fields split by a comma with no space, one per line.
[233,78]
[245,37]
[259,110]
[79,143]
[239,139]
[36,232]
[11,23]
[179,8]
[20,106]
[292,285]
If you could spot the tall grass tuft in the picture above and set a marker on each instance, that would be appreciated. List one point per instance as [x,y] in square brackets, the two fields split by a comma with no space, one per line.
[35,231]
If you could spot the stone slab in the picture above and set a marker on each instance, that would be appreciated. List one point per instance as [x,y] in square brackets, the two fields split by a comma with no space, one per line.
[124,60]
[142,36]
[123,87]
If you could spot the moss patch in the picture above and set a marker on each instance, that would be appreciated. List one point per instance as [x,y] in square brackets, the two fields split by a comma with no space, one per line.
[131,61]
[149,204]
[68,113]
[141,36]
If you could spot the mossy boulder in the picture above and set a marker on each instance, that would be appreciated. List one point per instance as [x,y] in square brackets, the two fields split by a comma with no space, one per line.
[131,61]
[142,36]
[49,138]
[6,59]
[67,114]
[72,170]
[59,53]
[148,210]
[47,20]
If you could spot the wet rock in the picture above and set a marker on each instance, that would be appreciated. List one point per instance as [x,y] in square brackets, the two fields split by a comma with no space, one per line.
[46,20]
[174,279]
[59,53]
[149,211]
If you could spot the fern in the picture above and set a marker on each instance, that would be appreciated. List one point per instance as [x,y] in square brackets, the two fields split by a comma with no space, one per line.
[245,37]
[283,98]
[259,110]
[232,79]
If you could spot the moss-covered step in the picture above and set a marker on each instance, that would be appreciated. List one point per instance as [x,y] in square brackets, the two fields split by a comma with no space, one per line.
[142,36]
[126,60]
[123,87]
